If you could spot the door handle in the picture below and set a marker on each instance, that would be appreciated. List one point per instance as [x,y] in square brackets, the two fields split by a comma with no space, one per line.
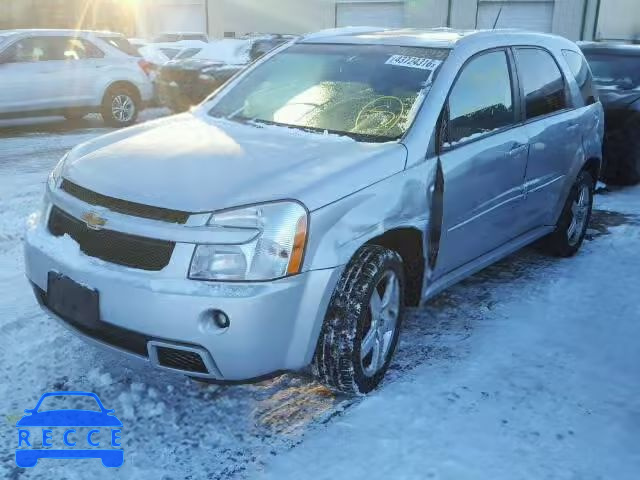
[572,127]
[518,148]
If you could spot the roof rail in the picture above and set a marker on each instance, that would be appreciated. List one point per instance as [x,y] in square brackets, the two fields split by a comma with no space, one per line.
[336,32]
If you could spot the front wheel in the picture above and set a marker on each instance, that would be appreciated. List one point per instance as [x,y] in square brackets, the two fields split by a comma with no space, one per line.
[572,225]
[120,107]
[362,323]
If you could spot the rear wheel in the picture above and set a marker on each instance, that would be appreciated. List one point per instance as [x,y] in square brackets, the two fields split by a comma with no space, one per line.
[120,106]
[362,324]
[572,225]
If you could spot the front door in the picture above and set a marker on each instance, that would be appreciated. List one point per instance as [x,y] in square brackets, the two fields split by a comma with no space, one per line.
[483,158]
[25,85]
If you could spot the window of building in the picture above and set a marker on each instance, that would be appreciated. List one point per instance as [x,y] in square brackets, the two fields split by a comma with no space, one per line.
[481,100]
[544,86]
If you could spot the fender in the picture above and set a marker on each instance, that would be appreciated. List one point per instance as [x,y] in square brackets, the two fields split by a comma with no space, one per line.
[403,200]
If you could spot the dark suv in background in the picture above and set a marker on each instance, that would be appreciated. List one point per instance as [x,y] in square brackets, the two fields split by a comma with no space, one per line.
[190,78]
[616,71]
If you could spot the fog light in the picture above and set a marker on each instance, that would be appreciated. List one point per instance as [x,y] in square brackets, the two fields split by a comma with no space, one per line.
[221,319]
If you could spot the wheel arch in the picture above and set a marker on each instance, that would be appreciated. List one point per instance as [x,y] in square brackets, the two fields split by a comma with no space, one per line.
[408,242]
[124,84]
[593,165]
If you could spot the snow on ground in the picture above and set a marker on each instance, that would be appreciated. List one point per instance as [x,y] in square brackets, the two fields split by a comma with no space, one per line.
[528,370]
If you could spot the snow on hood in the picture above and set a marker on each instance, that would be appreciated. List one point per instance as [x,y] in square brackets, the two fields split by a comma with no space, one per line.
[229,50]
[196,163]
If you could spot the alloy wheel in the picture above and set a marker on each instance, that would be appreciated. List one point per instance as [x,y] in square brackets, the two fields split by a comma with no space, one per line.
[580,214]
[383,313]
[123,108]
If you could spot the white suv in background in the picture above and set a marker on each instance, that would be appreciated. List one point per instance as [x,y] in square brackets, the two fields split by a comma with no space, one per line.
[70,73]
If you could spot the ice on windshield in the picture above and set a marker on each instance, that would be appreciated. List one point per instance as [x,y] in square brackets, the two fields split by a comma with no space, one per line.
[365,90]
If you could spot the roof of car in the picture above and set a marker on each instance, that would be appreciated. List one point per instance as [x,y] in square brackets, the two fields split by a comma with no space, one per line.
[610,48]
[60,31]
[431,38]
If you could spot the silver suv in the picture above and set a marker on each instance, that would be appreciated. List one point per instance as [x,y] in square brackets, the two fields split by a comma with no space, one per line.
[71,73]
[289,219]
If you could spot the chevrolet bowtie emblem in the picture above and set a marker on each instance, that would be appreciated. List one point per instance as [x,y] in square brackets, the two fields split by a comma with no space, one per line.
[93,220]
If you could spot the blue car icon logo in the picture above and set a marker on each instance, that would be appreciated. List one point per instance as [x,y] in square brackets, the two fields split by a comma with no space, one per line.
[69,433]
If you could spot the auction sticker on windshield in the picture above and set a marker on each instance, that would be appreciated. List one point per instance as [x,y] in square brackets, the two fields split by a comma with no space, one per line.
[413,62]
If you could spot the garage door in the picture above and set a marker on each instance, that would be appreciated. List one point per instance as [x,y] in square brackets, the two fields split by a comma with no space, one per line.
[536,16]
[375,14]
[181,18]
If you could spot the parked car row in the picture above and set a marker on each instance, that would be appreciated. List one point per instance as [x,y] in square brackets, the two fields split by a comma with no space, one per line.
[192,76]
[288,220]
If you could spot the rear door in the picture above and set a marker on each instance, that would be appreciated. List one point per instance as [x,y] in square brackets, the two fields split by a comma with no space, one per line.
[554,130]
[483,158]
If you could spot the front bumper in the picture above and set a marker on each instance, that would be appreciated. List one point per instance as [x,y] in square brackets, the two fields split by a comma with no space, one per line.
[273,327]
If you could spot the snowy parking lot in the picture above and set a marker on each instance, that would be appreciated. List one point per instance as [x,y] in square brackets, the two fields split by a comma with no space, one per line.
[527,370]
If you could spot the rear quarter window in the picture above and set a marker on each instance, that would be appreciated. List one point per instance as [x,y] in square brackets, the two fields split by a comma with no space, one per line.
[582,74]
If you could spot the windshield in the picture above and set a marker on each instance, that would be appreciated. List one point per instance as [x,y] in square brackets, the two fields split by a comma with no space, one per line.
[622,71]
[368,92]
[187,53]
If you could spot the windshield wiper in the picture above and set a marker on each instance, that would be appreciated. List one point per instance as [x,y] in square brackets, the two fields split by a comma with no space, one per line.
[360,137]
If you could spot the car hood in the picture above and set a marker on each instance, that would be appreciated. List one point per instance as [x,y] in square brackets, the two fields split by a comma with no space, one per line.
[69,418]
[617,99]
[193,162]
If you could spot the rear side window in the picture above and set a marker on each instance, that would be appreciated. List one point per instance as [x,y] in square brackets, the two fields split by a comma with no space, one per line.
[79,48]
[122,44]
[582,73]
[544,86]
[481,100]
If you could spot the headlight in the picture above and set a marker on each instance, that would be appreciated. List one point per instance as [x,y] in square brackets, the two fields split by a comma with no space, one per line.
[276,252]
[56,174]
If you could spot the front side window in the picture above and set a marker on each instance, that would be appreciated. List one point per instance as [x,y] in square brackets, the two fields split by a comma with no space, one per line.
[581,72]
[42,49]
[481,101]
[368,92]
[544,87]
[619,71]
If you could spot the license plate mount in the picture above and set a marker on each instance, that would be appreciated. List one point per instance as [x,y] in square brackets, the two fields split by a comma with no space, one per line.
[72,301]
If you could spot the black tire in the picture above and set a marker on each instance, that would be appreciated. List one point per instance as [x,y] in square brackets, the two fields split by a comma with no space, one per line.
[337,362]
[622,153]
[563,242]
[109,109]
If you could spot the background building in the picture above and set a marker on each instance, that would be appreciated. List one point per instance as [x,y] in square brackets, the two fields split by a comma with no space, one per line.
[575,19]
[116,15]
